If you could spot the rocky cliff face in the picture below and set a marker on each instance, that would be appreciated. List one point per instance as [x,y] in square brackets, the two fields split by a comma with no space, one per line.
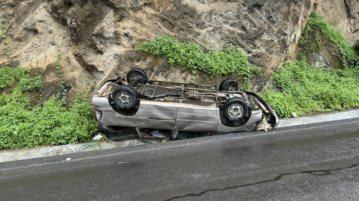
[97,38]
[343,15]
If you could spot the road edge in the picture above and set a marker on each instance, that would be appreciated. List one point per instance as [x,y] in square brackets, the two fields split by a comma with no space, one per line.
[319,118]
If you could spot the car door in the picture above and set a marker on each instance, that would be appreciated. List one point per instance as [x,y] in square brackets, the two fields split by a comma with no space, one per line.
[196,118]
[156,115]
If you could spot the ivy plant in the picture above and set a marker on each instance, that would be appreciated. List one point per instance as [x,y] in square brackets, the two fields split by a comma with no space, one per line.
[229,60]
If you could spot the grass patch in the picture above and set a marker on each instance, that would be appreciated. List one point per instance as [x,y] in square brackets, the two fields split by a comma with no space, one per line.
[23,126]
[229,60]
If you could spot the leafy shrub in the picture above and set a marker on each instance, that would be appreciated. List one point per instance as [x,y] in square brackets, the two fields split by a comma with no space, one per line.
[229,60]
[8,76]
[347,53]
[23,126]
[278,102]
[356,46]
[306,89]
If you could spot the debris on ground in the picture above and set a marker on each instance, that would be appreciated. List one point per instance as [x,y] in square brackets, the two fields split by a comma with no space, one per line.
[94,147]
[157,134]
[97,137]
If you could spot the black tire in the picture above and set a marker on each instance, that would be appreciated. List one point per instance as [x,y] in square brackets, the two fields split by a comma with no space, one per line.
[136,73]
[124,97]
[229,84]
[235,109]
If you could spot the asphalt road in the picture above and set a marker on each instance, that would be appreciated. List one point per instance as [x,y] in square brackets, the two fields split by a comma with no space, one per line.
[315,162]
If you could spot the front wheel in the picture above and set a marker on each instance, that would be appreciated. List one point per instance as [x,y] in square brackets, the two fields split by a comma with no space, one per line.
[235,109]
[124,97]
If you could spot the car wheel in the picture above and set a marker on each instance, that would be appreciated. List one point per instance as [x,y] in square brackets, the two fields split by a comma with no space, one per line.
[229,84]
[136,73]
[235,109]
[124,97]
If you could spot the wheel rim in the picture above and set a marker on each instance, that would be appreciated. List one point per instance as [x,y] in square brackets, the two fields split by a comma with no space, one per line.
[124,98]
[134,76]
[235,110]
[232,87]
[135,79]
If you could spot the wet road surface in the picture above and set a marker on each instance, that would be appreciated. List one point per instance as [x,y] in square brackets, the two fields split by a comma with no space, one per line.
[316,162]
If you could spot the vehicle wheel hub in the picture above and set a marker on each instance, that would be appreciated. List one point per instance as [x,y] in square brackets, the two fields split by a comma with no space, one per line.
[232,87]
[124,98]
[134,76]
[235,110]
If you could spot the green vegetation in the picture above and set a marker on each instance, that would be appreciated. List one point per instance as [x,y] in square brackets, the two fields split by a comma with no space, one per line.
[59,74]
[306,89]
[318,28]
[229,60]
[25,126]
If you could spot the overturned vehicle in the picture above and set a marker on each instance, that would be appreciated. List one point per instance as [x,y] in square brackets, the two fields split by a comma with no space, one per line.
[133,101]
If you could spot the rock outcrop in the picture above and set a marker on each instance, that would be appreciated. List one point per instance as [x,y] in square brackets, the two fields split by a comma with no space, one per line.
[97,39]
[343,15]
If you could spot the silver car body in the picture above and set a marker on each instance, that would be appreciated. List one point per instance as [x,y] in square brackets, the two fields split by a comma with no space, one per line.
[174,116]
[171,116]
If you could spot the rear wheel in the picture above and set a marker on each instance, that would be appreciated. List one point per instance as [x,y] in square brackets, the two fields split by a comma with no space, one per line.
[235,109]
[124,97]
[136,73]
[229,84]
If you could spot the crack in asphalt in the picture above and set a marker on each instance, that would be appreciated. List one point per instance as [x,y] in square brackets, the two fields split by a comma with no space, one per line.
[277,178]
